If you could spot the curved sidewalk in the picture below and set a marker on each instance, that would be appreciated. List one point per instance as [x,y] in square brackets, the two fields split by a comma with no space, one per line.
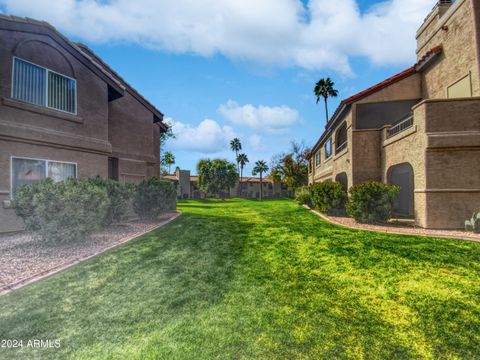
[397,229]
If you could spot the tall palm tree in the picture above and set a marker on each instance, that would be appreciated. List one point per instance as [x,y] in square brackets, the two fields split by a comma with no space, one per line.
[242,159]
[168,159]
[324,88]
[236,146]
[260,168]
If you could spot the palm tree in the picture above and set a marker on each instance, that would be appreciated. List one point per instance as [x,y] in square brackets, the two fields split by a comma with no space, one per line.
[236,146]
[242,159]
[260,168]
[168,159]
[324,88]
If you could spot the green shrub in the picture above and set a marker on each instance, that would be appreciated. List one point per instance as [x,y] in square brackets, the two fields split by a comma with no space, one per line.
[154,196]
[63,211]
[118,194]
[23,205]
[302,195]
[372,202]
[328,197]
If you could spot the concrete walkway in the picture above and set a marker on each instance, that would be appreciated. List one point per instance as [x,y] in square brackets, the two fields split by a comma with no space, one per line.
[395,228]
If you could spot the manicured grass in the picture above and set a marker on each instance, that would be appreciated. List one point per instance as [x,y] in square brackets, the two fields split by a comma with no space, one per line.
[257,280]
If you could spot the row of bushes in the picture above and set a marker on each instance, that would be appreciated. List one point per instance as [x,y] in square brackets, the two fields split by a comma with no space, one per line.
[73,209]
[369,202]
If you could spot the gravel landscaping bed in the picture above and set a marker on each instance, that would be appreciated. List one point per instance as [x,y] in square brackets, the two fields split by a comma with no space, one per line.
[22,257]
[400,228]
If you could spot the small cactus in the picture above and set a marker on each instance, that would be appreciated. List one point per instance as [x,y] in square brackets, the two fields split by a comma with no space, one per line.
[474,223]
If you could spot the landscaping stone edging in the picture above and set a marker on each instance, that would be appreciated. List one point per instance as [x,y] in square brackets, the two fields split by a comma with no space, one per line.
[56,269]
[389,230]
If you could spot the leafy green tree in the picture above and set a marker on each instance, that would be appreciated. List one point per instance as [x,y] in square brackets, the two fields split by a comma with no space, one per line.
[260,167]
[291,168]
[164,136]
[242,159]
[168,160]
[324,89]
[216,176]
[236,146]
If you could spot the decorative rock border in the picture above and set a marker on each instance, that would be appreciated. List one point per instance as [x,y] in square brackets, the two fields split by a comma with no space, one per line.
[395,230]
[56,269]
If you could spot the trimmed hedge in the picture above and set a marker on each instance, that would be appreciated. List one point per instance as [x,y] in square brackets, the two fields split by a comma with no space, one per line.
[328,197]
[152,197]
[372,202]
[119,195]
[63,211]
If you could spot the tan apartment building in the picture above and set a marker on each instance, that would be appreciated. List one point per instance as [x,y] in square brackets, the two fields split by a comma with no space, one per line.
[419,129]
[187,188]
[65,113]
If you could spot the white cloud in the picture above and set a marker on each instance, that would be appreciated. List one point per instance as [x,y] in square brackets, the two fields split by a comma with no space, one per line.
[208,137]
[256,142]
[260,118]
[322,35]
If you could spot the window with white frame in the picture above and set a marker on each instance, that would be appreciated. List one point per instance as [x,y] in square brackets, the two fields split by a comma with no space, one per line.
[40,86]
[317,158]
[32,171]
[328,148]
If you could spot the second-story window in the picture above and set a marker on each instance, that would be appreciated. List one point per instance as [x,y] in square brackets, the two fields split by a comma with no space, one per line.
[328,148]
[317,158]
[40,86]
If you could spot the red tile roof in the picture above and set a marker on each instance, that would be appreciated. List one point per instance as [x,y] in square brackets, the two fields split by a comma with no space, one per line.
[371,90]
[428,58]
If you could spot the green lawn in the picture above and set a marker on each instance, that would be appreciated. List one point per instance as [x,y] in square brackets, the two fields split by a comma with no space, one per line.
[257,280]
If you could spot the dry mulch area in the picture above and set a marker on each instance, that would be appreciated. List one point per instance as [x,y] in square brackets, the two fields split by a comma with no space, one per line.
[22,257]
[396,227]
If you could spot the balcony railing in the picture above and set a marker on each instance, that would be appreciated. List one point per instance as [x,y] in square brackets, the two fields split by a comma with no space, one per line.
[400,126]
[341,147]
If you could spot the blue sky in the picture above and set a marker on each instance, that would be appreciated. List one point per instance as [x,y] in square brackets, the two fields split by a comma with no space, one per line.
[220,69]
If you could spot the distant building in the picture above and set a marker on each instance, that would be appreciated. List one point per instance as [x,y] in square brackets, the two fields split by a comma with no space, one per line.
[419,129]
[187,188]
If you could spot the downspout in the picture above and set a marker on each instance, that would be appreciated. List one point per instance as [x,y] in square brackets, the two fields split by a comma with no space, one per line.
[476,24]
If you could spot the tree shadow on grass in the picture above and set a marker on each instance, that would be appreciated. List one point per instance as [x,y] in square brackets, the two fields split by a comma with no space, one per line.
[178,270]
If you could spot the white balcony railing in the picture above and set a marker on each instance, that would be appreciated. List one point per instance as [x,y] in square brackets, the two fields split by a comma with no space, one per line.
[400,126]
[341,147]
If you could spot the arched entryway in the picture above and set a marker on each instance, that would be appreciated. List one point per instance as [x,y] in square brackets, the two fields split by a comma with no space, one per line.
[402,176]
[342,178]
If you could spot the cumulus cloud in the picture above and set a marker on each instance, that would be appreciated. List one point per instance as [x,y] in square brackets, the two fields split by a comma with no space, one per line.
[324,34]
[260,118]
[207,137]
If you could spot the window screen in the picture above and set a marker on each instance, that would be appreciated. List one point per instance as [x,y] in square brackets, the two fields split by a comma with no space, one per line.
[40,86]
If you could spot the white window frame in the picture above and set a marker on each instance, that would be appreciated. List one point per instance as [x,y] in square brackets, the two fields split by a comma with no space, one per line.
[46,86]
[37,159]
[318,157]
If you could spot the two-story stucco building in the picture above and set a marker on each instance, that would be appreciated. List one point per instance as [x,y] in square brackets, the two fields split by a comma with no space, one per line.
[419,129]
[65,113]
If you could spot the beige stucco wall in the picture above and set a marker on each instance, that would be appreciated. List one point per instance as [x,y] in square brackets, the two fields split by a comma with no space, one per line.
[452,158]
[408,88]
[366,155]
[455,31]
[408,147]
[88,165]
[443,148]
[337,162]
[361,160]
